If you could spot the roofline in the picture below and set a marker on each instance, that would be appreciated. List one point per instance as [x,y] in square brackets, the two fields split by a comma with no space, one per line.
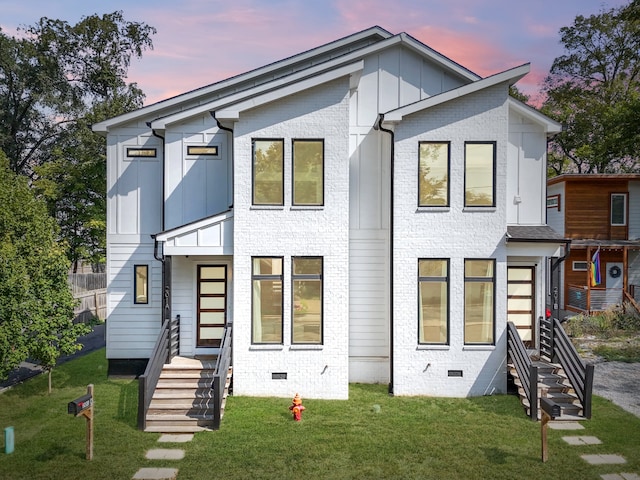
[584,177]
[550,125]
[512,75]
[206,90]
[189,227]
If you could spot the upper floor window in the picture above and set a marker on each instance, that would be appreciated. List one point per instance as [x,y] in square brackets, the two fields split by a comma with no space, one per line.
[307,300]
[266,305]
[479,174]
[618,209]
[479,300]
[308,172]
[433,174]
[433,301]
[268,172]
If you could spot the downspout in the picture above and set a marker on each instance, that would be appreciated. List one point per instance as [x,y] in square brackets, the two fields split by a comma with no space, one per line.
[230,130]
[379,126]
[155,134]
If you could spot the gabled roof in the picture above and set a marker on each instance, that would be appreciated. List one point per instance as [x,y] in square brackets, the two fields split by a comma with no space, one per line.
[511,76]
[550,126]
[295,68]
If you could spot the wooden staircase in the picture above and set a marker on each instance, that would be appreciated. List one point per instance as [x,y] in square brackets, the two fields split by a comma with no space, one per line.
[554,384]
[183,399]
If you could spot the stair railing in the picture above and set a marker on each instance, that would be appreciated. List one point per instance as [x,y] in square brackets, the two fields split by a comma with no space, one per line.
[220,377]
[527,371]
[166,347]
[579,374]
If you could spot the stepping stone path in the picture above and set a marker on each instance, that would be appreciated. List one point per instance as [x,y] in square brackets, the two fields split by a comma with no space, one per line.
[595,459]
[164,454]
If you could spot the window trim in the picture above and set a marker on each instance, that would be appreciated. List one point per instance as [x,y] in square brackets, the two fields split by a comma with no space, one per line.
[448,197]
[135,284]
[447,279]
[253,173]
[576,268]
[474,280]
[624,211]
[293,178]
[493,179]
[320,277]
[553,201]
[255,277]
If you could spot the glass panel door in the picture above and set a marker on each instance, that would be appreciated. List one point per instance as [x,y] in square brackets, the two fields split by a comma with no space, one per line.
[520,302]
[212,304]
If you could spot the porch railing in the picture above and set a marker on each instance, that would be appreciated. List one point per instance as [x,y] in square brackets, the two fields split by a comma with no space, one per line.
[218,385]
[596,299]
[562,351]
[527,371]
[166,347]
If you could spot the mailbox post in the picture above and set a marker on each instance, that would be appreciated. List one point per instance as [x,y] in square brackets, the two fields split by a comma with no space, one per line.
[550,411]
[84,406]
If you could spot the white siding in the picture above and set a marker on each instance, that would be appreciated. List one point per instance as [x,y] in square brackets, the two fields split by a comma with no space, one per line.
[454,233]
[555,216]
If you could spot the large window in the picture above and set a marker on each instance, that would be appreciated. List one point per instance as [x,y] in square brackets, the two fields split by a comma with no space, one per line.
[479,298]
[308,172]
[479,174]
[266,275]
[433,299]
[618,209]
[141,284]
[433,174]
[268,172]
[307,300]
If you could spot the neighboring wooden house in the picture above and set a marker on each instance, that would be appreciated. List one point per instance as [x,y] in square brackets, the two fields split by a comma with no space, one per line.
[365,211]
[601,215]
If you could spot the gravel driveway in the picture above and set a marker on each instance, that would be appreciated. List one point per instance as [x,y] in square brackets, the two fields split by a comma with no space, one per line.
[620,383]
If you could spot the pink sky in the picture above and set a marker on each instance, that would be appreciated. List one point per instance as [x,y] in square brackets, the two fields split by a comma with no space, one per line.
[203,41]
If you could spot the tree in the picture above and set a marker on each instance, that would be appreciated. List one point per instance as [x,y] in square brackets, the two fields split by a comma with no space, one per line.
[55,81]
[593,89]
[36,304]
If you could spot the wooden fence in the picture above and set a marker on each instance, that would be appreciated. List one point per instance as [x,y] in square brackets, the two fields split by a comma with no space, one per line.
[90,289]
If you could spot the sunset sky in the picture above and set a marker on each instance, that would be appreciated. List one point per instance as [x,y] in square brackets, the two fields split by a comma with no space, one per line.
[203,41]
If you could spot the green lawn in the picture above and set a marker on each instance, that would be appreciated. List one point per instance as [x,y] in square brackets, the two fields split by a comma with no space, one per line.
[372,435]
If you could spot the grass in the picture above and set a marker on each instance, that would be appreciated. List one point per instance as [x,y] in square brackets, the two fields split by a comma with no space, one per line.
[372,435]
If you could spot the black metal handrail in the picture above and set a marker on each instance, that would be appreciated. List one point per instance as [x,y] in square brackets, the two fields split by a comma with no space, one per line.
[579,374]
[527,371]
[166,347]
[220,377]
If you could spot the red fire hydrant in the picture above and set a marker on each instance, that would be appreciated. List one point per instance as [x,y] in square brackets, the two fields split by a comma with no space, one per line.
[297,407]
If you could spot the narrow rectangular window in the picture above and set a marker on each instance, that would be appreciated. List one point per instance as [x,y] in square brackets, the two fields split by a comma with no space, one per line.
[579,266]
[141,284]
[266,311]
[268,172]
[308,172]
[433,301]
[307,300]
[618,209]
[479,174]
[433,174]
[479,301]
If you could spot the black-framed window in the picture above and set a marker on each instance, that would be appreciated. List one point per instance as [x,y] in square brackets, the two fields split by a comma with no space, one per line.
[618,209]
[266,304]
[308,172]
[479,174]
[268,171]
[479,301]
[307,299]
[141,284]
[433,174]
[433,301]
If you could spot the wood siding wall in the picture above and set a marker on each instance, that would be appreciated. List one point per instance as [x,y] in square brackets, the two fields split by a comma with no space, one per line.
[588,210]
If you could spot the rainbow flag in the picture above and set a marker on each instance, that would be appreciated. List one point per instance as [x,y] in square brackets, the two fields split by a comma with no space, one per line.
[595,268]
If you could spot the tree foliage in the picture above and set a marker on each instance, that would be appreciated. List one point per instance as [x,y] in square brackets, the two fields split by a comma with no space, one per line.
[56,79]
[594,90]
[36,304]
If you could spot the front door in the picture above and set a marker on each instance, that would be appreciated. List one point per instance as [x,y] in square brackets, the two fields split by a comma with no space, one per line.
[520,302]
[212,304]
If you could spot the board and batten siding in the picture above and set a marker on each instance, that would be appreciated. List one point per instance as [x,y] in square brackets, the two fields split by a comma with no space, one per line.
[634,210]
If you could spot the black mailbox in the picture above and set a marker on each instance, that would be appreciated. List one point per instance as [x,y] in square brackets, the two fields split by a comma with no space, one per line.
[550,407]
[79,405]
